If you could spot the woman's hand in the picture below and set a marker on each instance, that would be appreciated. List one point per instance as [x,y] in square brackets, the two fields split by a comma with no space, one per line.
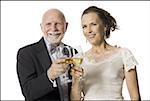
[77,74]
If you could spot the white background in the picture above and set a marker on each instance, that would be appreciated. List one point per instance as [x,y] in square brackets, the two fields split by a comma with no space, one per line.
[21,26]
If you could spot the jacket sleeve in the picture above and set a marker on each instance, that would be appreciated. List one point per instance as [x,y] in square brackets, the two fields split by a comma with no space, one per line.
[33,86]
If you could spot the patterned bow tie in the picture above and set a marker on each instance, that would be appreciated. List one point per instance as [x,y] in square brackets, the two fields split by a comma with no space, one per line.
[53,49]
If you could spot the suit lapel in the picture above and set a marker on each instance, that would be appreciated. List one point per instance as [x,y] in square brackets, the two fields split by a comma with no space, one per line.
[43,55]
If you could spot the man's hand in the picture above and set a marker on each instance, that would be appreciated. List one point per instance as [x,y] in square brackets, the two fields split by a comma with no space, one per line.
[57,68]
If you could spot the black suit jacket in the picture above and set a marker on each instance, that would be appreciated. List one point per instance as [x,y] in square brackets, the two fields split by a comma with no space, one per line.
[33,62]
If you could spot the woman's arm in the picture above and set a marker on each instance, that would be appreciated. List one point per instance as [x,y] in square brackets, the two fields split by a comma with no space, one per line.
[132,84]
[76,86]
[75,92]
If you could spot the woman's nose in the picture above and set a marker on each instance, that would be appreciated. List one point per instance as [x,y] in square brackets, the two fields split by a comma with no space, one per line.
[89,30]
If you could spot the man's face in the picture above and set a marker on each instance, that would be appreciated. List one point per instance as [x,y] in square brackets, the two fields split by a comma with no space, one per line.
[53,26]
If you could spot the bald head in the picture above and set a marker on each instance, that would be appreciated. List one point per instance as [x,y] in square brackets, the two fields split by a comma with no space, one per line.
[55,13]
[53,25]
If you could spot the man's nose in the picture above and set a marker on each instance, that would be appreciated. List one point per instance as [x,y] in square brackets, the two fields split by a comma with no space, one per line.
[54,27]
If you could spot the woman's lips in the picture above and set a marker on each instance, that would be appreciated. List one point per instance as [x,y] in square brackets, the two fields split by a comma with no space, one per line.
[91,36]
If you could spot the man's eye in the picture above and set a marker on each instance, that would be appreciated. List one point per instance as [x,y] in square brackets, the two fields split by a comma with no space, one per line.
[59,24]
[48,24]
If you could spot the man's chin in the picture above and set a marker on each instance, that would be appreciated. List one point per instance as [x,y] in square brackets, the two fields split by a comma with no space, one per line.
[54,41]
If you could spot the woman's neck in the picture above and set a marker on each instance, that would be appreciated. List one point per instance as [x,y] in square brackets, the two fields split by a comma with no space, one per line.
[99,48]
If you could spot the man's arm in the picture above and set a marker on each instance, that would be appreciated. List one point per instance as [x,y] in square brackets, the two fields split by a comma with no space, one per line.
[33,86]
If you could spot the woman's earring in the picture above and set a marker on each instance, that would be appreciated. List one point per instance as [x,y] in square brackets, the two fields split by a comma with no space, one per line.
[105,37]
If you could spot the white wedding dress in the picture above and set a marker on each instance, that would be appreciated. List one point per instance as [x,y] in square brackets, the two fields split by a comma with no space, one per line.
[103,77]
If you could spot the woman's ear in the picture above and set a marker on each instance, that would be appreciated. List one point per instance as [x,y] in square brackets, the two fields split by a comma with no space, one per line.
[105,28]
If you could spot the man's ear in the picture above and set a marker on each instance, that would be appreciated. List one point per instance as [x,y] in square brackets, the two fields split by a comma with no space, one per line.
[41,26]
[66,26]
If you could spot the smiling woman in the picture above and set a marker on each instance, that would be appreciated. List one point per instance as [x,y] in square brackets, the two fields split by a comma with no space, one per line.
[105,66]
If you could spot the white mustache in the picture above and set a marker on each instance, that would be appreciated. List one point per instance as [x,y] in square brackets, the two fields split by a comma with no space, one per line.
[53,33]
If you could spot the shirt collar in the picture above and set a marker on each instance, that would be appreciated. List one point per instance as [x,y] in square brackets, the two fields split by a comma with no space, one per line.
[49,45]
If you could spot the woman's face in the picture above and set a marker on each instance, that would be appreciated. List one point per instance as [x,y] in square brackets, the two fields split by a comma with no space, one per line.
[93,28]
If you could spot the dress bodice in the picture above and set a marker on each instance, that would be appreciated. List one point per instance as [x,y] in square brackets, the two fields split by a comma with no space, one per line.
[103,77]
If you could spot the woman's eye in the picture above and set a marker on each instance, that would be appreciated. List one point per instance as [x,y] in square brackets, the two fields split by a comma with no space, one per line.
[94,24]
[83,27]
